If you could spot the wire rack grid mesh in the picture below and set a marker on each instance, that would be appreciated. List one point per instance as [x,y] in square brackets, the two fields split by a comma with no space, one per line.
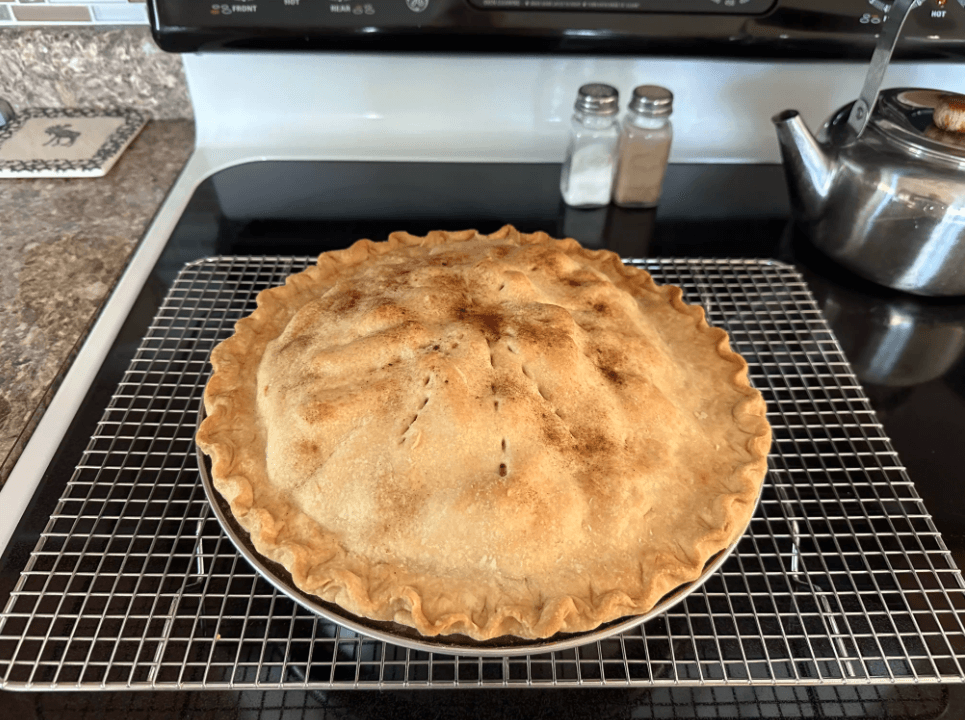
[841,578]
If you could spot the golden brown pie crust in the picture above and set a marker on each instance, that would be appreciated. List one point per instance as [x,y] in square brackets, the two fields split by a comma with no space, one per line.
[487,435]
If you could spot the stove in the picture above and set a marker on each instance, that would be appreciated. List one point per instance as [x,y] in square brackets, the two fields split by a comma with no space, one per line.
[845,597]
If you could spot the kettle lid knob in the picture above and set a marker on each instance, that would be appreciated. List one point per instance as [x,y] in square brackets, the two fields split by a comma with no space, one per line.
[950,113]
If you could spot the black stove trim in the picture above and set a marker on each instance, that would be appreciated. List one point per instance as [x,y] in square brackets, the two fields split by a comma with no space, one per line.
[791,29]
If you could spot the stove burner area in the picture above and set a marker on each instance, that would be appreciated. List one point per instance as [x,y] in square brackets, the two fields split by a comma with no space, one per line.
[842,578]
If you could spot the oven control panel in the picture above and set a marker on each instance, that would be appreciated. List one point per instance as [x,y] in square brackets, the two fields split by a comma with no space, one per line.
[805,29]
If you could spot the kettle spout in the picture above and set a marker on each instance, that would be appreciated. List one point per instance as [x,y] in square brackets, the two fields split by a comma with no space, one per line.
[808,167]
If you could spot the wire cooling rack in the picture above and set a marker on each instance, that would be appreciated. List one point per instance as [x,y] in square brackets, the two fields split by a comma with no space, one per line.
[842,577]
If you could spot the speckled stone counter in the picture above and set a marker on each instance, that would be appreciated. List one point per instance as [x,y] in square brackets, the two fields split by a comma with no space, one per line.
[63,245]
[91,67]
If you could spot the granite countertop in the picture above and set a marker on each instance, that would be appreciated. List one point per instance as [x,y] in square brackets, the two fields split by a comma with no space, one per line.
[63,245]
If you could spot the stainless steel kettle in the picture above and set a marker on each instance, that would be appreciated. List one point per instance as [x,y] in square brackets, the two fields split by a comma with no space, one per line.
[881,189]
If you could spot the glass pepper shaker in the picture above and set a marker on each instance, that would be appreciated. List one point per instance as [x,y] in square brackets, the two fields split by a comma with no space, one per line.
[587,178]
[644,148]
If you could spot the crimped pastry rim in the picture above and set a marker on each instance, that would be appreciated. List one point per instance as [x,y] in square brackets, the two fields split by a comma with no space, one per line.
[218,439]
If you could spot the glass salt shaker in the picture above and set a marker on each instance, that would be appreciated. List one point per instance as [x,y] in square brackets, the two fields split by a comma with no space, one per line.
[587,178]
[644,148]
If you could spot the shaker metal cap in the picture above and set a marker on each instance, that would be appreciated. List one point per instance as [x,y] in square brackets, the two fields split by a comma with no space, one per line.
[652,100]
[598,98]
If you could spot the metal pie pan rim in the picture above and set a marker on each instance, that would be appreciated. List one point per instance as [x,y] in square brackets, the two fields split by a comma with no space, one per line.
[397,634]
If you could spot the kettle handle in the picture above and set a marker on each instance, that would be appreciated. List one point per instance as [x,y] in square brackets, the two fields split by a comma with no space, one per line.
[863,106]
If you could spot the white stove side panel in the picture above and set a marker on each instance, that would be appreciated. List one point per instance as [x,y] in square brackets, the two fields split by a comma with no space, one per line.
[486,108]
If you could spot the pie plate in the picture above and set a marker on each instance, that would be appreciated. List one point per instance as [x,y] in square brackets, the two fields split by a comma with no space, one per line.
[405,636]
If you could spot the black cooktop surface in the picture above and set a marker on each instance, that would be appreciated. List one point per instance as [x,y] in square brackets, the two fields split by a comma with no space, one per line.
[908,353]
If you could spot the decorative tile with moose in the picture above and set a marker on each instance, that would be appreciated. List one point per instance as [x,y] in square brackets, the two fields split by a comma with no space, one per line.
[59,142]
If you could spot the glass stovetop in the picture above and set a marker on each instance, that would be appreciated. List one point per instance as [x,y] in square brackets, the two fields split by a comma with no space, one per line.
[909,354]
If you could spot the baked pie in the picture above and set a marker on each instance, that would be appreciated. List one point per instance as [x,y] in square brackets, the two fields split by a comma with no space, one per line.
[488,435]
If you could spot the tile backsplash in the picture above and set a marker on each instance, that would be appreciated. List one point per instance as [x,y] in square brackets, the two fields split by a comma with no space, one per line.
[90,67]
[69,12]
